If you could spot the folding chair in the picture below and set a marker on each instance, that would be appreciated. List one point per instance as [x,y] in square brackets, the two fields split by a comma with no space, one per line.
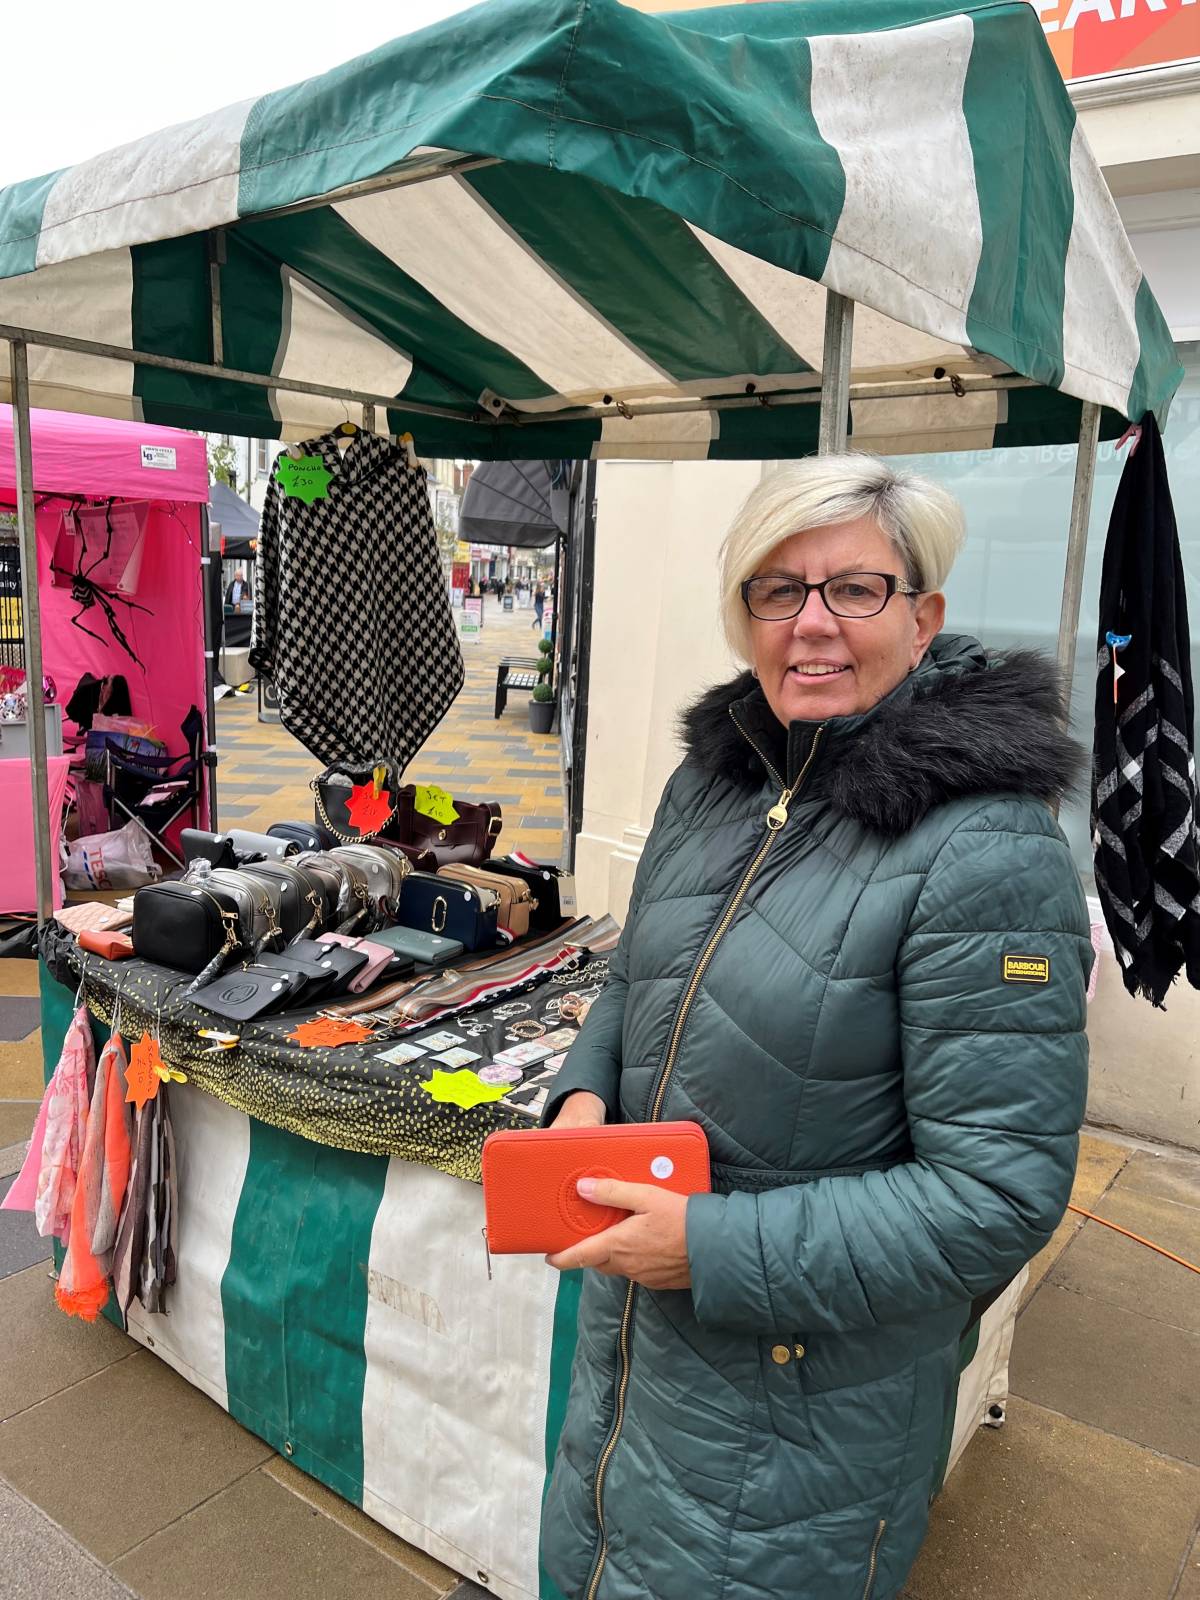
[155,791]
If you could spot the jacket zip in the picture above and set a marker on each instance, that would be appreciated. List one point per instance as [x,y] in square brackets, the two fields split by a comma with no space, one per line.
[776,818]
[879,1531]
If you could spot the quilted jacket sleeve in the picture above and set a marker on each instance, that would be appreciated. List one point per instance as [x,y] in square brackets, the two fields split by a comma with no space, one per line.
[594,1061]
[266,586]
[995,1082]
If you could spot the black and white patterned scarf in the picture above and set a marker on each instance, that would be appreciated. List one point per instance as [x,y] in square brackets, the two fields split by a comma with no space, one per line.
[1144,833]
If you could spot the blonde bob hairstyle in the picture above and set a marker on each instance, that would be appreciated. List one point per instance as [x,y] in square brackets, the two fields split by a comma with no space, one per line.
[922,522]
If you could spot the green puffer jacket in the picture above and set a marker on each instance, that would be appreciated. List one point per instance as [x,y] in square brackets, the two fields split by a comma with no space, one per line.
[892,1104]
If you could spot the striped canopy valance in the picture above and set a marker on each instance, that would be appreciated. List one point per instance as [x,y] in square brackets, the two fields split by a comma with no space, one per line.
[617,219]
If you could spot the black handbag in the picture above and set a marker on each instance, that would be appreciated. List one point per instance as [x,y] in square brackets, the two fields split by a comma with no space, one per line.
[304,835]
[333,792]
[184,925]
[455,910]
[215,848]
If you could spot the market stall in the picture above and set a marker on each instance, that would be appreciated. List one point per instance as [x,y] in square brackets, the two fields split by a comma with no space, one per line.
[119,529]
[751,238]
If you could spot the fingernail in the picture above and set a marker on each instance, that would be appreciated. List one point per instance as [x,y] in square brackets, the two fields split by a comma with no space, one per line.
[586,1187]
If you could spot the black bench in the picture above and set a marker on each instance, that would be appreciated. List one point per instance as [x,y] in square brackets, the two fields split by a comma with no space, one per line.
[515,672]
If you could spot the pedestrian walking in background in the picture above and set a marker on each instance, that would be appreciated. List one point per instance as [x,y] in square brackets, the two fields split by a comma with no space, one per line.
[539,605]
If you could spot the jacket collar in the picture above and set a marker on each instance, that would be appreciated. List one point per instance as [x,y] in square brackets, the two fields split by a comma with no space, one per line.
[964,722]
[365,454]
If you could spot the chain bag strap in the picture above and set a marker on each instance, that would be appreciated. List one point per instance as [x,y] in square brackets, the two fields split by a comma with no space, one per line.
[333,801]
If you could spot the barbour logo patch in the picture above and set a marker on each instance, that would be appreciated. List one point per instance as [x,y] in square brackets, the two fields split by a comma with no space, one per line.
[1027,969]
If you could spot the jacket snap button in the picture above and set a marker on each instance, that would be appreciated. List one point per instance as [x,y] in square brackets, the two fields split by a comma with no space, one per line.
[799,1352]
[780,1355]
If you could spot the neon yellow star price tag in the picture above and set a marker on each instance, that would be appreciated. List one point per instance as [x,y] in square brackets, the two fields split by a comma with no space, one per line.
[433,802]
[304,478]
[463,1089]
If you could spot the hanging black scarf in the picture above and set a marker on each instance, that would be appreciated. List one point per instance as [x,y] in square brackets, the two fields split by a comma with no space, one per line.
[1147,851]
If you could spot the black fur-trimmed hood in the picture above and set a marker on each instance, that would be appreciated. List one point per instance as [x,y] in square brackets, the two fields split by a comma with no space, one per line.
[966,722]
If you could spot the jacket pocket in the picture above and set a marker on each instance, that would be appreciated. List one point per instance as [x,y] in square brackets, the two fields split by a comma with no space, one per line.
[787,1402]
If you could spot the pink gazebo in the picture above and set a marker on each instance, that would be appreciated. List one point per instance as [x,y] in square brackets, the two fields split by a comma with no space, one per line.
[158,477]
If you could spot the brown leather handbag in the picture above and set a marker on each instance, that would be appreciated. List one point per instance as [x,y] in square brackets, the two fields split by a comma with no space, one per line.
[517,904]
[468,840]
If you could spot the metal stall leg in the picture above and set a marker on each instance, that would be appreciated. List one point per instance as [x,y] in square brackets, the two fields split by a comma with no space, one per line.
[1081,510]
[31,626]
[835,374]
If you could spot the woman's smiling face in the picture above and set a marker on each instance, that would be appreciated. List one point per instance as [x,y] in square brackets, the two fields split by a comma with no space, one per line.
[816,665]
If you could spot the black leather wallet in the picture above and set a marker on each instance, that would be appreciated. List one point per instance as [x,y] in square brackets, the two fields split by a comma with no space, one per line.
[343,961]
[249,992]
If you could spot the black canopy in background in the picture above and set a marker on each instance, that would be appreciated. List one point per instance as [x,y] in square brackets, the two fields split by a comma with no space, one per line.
[237,521]
[522,503]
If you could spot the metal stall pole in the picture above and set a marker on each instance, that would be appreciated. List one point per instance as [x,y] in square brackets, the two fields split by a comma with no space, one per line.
[31,626]
[1081,510]
[835,374]
[208,753]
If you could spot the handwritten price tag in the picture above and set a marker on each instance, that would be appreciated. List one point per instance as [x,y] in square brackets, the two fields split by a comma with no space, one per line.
[433,802]
[304,478]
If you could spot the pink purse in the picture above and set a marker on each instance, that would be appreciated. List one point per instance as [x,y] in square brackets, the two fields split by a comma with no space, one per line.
[378,957]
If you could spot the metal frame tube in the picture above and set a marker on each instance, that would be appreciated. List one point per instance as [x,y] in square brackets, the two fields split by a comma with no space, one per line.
[900,390]
[31,628]
[1081,509]
[835,374]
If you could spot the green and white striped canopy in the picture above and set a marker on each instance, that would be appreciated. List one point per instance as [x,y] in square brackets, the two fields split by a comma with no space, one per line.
[619,218]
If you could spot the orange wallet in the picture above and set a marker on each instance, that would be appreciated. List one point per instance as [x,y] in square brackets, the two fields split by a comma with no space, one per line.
[103,942]
[529,1178]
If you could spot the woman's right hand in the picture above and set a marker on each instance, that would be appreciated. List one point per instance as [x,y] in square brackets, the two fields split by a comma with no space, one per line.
[581,1110]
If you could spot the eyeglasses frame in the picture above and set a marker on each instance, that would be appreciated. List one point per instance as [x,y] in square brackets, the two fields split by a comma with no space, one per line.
[894,584]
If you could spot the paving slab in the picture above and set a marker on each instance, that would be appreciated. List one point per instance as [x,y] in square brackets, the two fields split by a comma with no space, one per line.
[20,1014]
[257,1541]
[1170,1177]
[18,975]
[39,1560]
[1100,1160]
[1189,1578]
[16,1120]
[1046,1508]
[22,1074]
[45,1351]
[440,1578]
[1121,1272]
[1111,1368]
[125,1453]
[21,1245]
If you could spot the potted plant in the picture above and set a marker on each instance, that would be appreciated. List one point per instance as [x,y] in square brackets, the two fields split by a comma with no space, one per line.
[541,708]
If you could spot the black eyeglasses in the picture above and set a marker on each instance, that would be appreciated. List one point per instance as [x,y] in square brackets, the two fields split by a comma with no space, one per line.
[851,594]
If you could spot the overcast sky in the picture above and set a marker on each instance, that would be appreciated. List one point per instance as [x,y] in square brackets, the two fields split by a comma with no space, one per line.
[80,78]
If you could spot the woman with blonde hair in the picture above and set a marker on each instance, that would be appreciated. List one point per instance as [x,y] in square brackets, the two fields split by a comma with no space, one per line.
[856,954]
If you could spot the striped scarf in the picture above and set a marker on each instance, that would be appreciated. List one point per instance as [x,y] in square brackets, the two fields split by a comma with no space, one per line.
[1144,833]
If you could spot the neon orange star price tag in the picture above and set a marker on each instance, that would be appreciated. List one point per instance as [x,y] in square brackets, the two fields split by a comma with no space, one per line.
[330,1032]
[146,1071]
[368,808]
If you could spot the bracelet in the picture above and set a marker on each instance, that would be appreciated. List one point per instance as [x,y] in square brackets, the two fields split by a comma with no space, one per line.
[529,1029]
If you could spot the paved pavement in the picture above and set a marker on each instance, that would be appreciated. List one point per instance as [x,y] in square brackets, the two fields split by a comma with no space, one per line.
[117,1478]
